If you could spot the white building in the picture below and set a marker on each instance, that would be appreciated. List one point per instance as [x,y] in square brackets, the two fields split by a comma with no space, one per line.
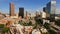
[43,15]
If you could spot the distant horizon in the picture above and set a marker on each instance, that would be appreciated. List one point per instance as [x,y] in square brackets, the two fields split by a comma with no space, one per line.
[31,5]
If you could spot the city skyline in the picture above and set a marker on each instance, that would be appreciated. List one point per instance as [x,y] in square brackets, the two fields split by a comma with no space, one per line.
[31,5]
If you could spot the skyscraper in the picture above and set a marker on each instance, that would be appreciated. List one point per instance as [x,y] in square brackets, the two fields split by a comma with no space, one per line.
[11,9]
[26,13]
[44,9]
[21,12]
[44,13]
[51,9]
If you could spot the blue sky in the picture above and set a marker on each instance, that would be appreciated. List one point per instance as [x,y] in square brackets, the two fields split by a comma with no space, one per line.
[31,5]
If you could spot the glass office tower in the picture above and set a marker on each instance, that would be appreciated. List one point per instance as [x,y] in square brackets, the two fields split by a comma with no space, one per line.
[51,9]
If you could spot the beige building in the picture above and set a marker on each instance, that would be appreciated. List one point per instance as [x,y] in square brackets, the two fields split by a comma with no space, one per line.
[43,15]
[11,9]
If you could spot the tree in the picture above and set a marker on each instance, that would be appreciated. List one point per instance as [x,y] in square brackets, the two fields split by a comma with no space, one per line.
[45,33]
[57,22]
[46,25]
[1,25]
[52,31]
[30,23]
[5,29]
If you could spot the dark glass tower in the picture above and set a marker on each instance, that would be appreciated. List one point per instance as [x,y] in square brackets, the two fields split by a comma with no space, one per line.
[44,9]
[21,12]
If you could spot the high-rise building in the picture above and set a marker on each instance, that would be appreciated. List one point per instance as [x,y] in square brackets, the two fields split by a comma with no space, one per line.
[26,13]
[21,12]
[44,9]
[51,7]
[11,9]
